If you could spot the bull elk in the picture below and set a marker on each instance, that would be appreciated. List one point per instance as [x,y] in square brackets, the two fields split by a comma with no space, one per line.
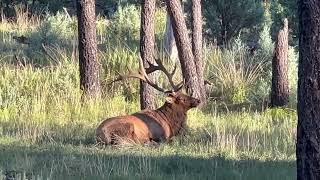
[148,125]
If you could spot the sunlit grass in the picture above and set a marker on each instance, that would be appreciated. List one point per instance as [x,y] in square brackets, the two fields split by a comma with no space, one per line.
[44,104]
[41,108]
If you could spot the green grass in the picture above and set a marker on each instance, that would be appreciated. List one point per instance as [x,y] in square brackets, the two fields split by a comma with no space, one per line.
[56,161]
[47,132]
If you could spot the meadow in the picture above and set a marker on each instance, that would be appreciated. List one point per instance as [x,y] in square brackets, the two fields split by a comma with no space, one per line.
[47,129]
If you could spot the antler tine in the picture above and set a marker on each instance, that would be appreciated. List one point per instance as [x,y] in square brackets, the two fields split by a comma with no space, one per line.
[127,76]
[141,74]
[162,68]
[174,69]
[152,68]
[169,75]
[179,86]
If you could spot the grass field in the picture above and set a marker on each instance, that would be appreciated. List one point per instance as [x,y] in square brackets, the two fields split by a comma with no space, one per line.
[214,148]
[47,133]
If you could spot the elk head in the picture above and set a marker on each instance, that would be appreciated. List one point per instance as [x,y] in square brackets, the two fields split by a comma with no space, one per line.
[180,100]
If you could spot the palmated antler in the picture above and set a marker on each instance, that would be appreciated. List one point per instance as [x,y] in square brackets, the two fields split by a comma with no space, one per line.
[142,74]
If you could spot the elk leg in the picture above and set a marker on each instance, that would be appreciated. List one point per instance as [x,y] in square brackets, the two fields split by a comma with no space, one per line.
[122,132]
[151,142]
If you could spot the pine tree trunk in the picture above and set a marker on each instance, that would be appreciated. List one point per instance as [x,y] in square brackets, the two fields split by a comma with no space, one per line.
[280,84]
[184,48]
[169,42]
[197,44]
[89,66]
[147,42]
[308,133]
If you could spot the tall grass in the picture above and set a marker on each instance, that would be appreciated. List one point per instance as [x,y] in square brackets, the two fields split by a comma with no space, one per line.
[235,71]
[44,105]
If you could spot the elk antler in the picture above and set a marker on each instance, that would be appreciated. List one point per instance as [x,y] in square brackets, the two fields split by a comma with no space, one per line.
[162,68]
[142,74]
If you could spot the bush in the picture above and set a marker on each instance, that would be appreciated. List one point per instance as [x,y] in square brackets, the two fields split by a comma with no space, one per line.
[235,71]
[265,39]
[57,30]
[125,26]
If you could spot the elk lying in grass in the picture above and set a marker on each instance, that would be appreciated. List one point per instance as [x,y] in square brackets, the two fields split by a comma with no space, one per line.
[149,125]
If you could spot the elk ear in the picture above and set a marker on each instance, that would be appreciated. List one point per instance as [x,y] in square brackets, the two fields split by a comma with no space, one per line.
[171,93]
[171,97]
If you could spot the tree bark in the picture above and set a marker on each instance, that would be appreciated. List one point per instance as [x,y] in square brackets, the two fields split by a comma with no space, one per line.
[197,44]
[169,42]
[184,48]
[280,82]
[89,66]
[147,42]
[308,130]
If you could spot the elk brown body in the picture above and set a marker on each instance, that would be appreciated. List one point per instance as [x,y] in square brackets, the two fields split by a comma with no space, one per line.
[148,125]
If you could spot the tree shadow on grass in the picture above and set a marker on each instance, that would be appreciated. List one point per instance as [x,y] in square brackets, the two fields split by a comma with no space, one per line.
[61,162]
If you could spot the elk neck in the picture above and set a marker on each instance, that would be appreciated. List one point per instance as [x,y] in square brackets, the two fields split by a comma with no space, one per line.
[174,115]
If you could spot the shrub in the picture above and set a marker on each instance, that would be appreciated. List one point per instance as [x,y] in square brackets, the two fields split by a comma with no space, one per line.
[235,71]
[125,24]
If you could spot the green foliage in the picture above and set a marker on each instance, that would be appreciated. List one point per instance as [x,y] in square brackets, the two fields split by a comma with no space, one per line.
[43,105]
[43,119]
[265,39]
[126,23]
[235,71]
[225,19]
[54,30]
[39,5]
